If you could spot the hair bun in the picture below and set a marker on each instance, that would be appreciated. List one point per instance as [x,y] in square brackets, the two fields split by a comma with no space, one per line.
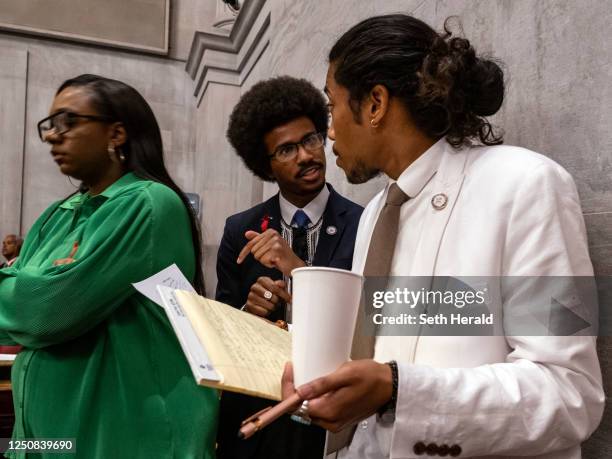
[481,81]
[484,87]
[445,86]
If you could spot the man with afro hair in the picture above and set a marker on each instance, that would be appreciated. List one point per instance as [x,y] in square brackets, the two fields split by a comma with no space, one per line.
[279,128]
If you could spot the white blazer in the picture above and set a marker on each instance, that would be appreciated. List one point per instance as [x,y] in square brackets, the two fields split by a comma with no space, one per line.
[510,212]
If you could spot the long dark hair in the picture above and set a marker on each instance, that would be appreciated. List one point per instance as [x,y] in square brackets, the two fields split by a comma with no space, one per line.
[143,148]
[447,89]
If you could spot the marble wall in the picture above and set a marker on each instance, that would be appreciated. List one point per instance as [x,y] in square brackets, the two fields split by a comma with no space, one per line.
[227,185]
[558,99]
[188,17]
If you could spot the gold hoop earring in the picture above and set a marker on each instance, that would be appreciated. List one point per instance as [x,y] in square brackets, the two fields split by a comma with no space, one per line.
[373,124]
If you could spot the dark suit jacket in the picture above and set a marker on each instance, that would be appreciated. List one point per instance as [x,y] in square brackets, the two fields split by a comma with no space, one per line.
[283,439]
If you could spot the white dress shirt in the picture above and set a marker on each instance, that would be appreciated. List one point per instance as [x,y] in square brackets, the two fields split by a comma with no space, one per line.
[314,209]
[9,263]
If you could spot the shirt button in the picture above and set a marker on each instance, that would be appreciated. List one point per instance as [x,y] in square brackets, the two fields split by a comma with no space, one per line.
[364,424]
[419,448]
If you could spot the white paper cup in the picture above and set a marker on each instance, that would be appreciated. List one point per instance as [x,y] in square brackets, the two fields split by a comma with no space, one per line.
[324,312]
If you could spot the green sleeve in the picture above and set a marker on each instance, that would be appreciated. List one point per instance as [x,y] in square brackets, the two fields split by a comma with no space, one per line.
[28,247]
[6,340]
[127,239]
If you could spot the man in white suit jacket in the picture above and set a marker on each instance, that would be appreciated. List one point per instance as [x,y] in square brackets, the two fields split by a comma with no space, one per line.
[406,101]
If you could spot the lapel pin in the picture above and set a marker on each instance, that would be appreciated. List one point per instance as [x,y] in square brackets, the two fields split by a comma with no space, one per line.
[439,201]
[331,230]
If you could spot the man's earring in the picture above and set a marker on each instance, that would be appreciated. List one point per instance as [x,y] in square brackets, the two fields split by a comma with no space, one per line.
[373,124]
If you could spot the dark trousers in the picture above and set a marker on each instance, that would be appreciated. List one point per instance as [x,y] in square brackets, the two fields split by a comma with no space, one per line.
[283,439]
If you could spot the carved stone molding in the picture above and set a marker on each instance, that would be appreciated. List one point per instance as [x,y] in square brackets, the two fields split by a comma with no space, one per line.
[228,59]
[226,15]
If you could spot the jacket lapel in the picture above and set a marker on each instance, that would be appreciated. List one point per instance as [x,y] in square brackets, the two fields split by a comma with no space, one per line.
[447,186]
[270,212]
[328,238]
[448,182]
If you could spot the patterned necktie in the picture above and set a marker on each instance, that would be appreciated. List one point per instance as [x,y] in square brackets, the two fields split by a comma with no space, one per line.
[300,219]
[299,241]
[378,263]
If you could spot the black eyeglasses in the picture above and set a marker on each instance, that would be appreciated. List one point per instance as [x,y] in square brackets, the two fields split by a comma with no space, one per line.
[288,151]
[62,122]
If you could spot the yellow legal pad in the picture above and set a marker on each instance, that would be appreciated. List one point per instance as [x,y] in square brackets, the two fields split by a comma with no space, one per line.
[239,352]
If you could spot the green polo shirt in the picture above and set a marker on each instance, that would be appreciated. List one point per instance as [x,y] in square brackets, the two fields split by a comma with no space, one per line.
[101,363]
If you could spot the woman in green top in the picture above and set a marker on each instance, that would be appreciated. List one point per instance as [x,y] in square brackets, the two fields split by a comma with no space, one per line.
[101,364]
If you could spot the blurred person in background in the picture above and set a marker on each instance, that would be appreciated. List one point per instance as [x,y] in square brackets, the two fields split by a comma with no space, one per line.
[11,246]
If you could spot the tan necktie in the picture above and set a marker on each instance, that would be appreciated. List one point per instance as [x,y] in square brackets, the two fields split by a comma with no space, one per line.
[378,263]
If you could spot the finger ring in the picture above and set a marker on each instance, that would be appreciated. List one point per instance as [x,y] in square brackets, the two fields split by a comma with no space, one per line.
[267,294]
[301,415]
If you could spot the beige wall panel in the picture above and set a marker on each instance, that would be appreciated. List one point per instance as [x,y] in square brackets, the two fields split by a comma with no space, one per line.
[224,183]
[13,80]
[137,24]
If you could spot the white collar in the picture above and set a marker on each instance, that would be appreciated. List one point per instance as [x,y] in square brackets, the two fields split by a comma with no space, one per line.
[314,209]
[11,261]
[419,173]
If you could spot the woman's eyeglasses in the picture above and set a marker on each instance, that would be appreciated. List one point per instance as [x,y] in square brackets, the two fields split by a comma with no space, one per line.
[62,122]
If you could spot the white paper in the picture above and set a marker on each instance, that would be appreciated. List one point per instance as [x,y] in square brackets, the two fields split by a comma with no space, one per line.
[196,354]
[171,277]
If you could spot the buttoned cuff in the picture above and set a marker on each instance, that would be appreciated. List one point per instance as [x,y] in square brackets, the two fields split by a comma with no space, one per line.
[420,416]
